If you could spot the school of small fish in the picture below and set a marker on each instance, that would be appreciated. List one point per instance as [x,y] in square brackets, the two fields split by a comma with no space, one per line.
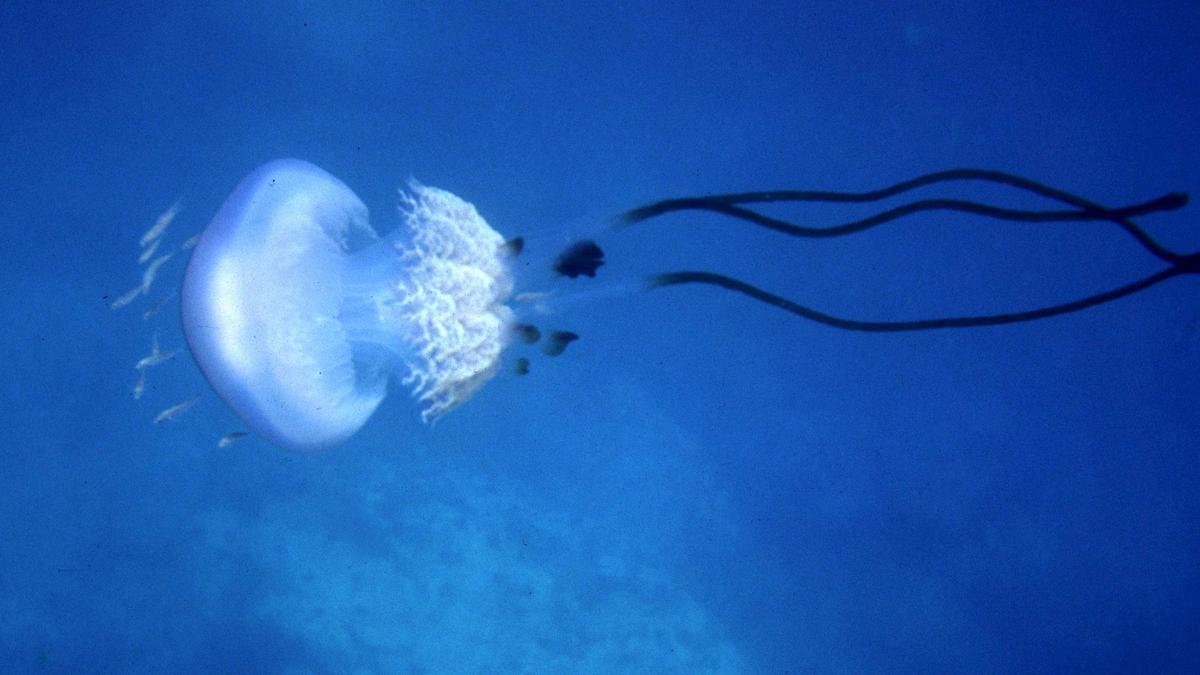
[150,243]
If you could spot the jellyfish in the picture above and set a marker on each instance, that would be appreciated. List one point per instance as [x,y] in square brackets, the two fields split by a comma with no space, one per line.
[298,313]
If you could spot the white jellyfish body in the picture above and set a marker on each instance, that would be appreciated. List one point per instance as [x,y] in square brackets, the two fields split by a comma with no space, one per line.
[298,312]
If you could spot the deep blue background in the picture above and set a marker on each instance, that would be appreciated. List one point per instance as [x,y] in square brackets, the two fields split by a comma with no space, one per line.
[701,484]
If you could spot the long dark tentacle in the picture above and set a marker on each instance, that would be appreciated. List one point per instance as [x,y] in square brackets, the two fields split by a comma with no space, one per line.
[1187,265]
[1165,203]
[1087,210]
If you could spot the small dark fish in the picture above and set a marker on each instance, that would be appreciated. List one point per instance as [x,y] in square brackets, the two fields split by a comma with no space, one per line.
[521,367]
[580,258]
[513,247]
[527,333]
[558,341]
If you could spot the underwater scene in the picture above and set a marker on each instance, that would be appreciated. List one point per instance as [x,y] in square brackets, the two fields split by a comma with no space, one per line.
[600,337]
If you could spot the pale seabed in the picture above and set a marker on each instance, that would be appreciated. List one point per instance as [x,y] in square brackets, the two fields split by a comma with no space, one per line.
[462,577]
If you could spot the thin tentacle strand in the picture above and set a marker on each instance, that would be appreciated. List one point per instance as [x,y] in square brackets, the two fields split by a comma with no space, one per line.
[1082,210]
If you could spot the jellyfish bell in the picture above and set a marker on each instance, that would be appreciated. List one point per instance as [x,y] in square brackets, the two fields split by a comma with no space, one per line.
[298,313]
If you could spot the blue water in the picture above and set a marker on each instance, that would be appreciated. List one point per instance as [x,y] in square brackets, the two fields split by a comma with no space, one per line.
[701,483]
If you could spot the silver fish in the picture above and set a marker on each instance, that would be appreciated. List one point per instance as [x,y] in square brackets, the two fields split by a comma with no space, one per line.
[155,357]
[175,410]
[139,387]
[149,252]
[190,242]
[126,298]
[160,225]
[157,305]
[229,438]
[152,271]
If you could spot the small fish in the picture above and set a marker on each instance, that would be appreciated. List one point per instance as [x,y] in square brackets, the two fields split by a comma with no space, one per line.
[153,309]
[160,225]
[526,332]
[229,438]
[191,242]
[579,259]
[152,271]
[155,357]
[513,247]
[521,367]
[126,298]
[558,341]
[139,387]
[175,410]
[149,252]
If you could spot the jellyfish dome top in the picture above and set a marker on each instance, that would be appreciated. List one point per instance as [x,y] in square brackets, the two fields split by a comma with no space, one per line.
[298,313]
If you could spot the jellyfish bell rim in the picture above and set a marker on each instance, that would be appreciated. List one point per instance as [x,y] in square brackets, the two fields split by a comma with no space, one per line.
[286,216]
